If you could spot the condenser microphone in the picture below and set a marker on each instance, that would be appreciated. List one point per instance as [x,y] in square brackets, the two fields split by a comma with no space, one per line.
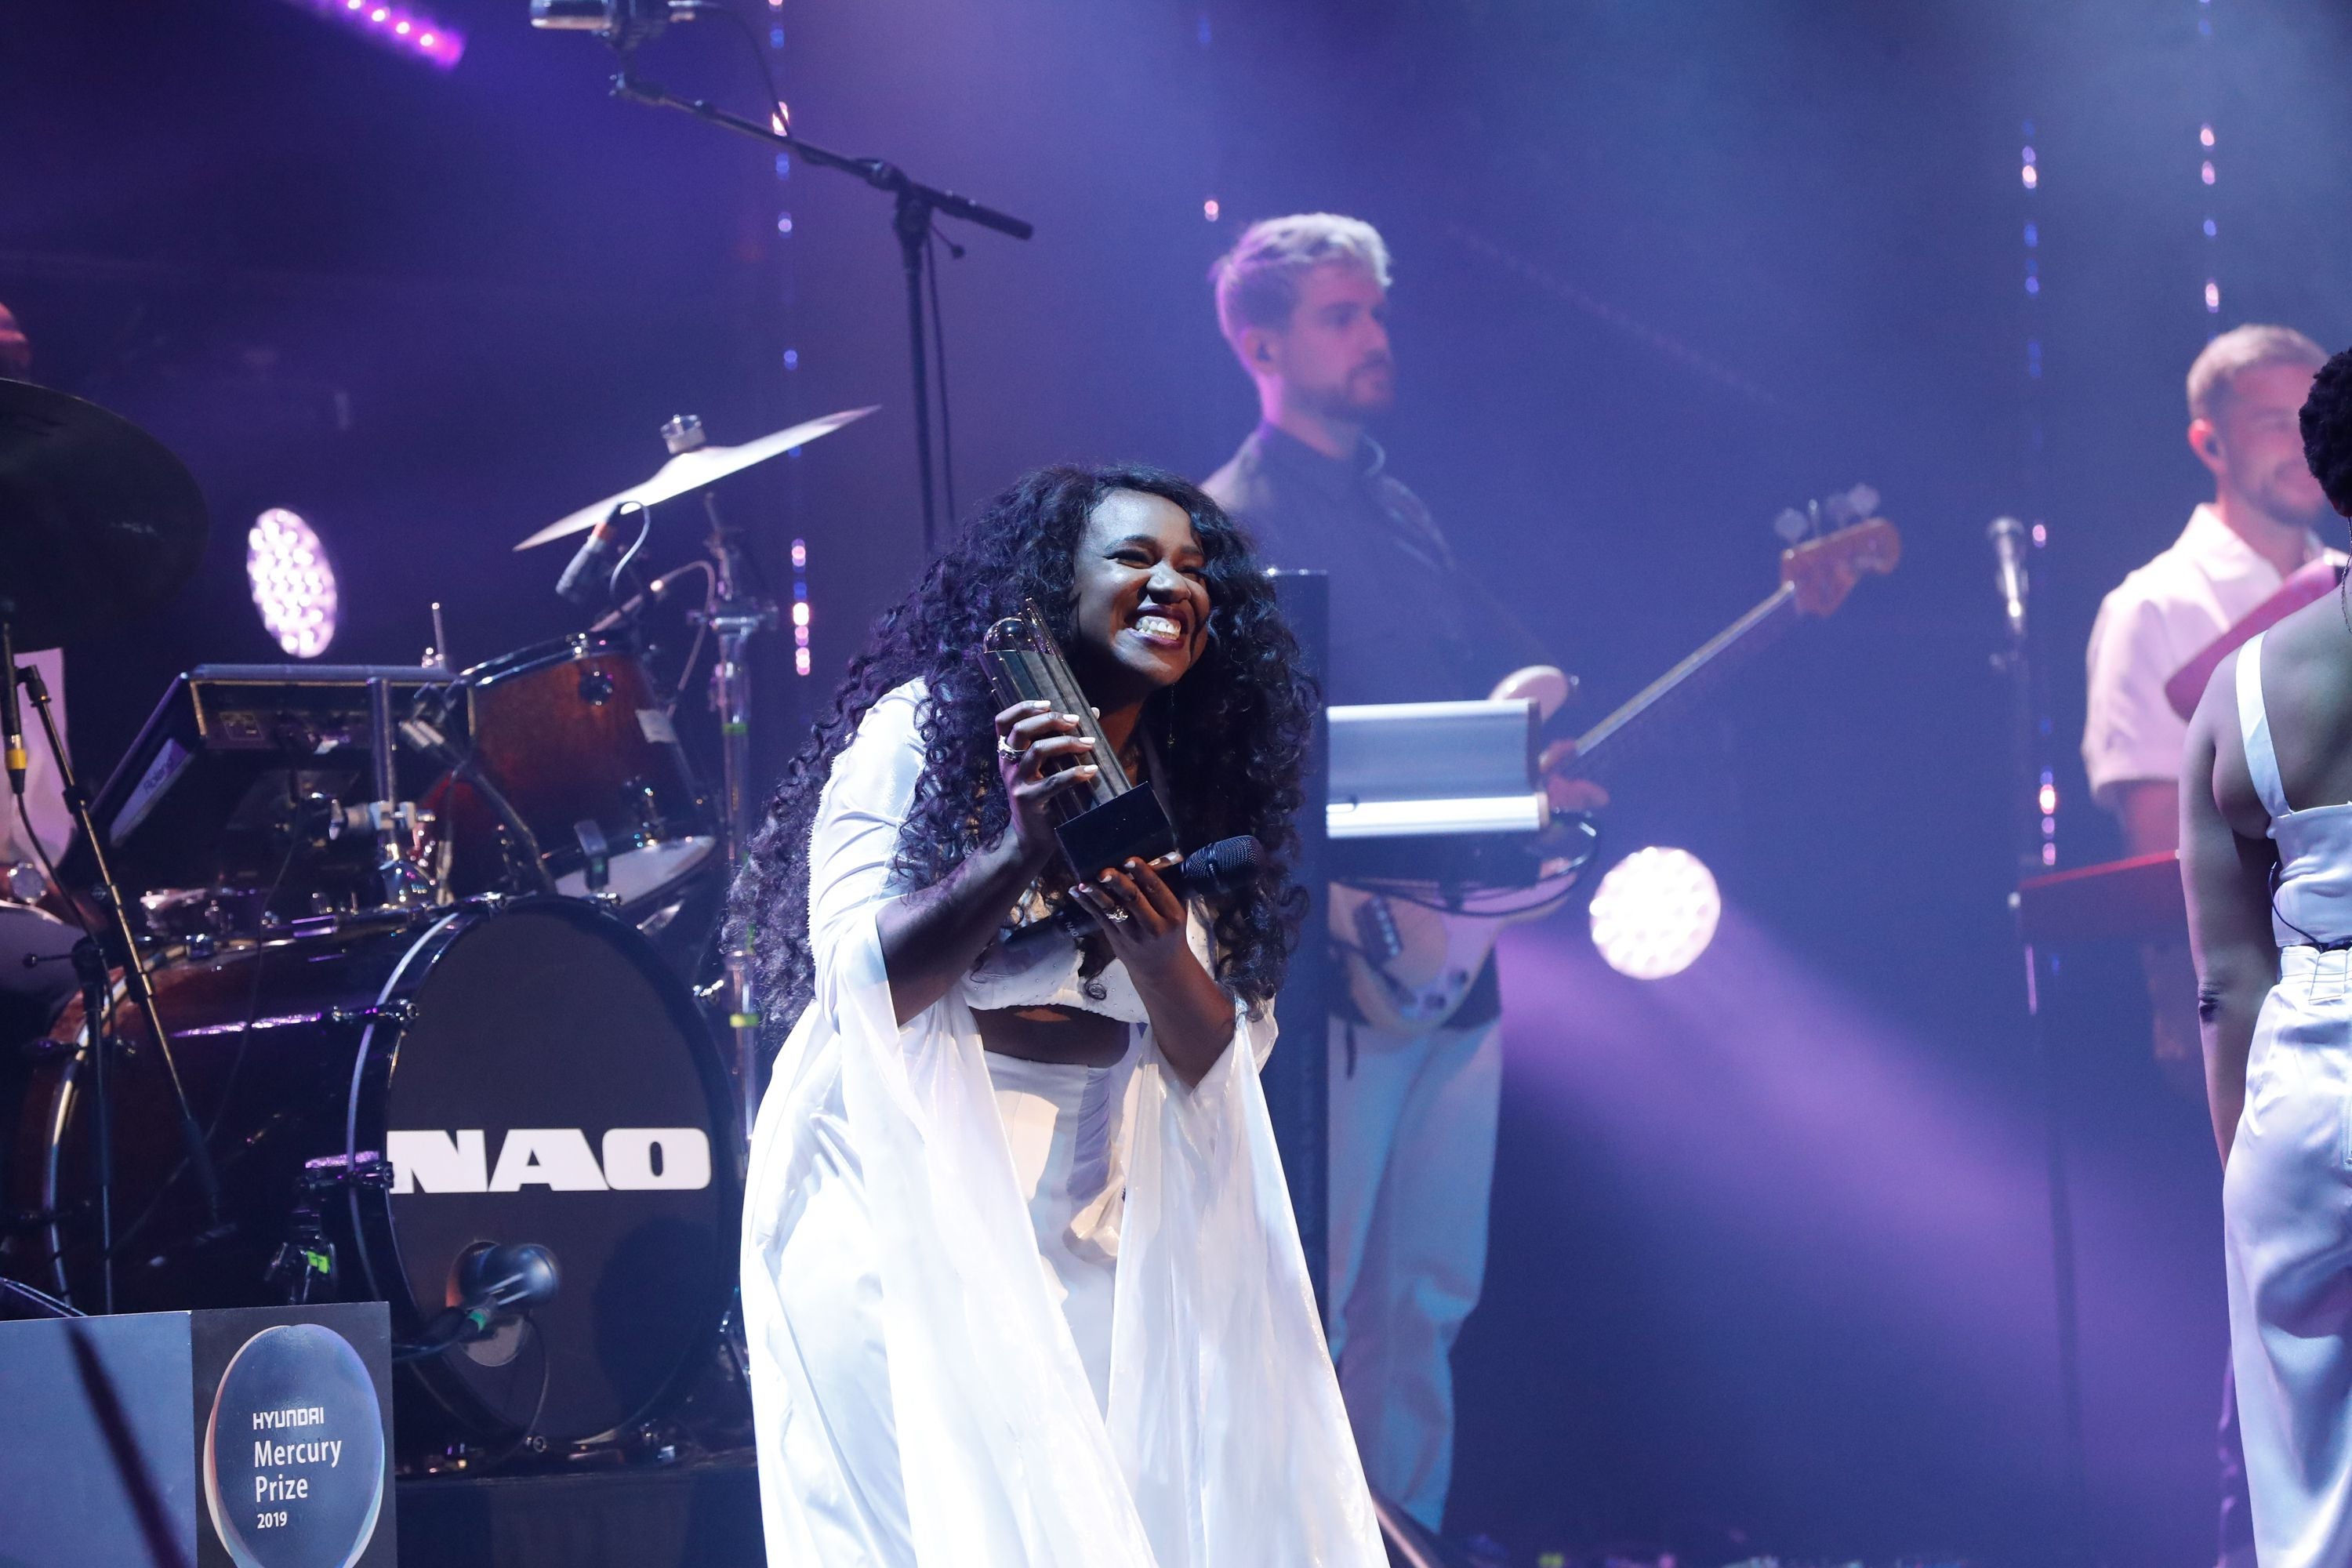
[591,569]
[2008,536]
[12,713]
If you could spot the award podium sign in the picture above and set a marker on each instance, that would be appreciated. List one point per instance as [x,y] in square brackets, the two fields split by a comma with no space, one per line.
[256,1437]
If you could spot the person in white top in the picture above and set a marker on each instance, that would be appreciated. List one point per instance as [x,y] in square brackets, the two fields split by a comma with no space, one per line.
[2266,861]
[1020,1282]
[2244,390]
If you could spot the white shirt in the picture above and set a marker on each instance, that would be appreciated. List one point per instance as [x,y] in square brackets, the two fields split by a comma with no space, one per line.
[2153,623]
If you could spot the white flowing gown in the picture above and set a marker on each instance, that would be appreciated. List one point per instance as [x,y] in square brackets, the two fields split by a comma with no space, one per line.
[920,1395]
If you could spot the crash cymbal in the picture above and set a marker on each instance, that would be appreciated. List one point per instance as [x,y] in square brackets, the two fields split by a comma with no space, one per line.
[99,523]
[690,471]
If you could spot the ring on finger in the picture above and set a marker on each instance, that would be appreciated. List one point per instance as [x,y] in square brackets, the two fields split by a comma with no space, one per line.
[1004,747]
[1117,917]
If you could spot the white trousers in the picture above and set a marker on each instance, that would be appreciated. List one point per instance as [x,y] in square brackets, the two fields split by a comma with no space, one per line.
[2286,1203]
[1412,1168]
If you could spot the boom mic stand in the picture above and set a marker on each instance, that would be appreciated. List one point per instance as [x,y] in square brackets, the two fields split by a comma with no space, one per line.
[914,205]
[135,984]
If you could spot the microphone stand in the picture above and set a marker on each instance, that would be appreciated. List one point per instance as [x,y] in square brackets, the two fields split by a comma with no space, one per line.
[914,205]
[2014,662]
[135,983]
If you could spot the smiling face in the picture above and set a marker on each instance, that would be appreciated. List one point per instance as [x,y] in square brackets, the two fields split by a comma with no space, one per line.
[1139,596]
[2254,443]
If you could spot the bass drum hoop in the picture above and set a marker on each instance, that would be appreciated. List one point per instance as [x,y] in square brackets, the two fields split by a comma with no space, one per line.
[371,1226]
[533,658]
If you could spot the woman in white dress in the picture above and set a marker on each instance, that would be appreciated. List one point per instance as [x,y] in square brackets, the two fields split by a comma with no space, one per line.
[1020,1279]
[2266,858]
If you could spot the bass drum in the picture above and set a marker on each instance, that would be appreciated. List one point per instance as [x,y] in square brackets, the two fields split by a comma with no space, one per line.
[531,1071]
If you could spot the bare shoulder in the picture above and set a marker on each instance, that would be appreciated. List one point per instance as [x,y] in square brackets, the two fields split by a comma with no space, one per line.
[2306,684]
[2213,763]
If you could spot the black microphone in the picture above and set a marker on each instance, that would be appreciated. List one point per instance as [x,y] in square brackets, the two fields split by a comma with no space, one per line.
[645,16]
[1225,867]
[2008,536]
[655,592]
[591,571]
[494,1281]
[12,716]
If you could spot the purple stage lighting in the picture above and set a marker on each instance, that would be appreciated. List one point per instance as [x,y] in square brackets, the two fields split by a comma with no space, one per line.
[293,584]
[1654,913]
[397,27]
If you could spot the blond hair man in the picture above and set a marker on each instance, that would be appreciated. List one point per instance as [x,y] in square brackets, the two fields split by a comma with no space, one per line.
[1303,302]
[2244,392]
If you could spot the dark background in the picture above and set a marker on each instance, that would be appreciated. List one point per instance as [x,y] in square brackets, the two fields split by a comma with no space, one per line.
[1770,1246]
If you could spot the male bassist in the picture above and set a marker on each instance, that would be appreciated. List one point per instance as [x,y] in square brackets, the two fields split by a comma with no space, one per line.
[1303,301]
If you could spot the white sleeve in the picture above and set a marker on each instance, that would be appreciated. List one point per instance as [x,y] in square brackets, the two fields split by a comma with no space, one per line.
[2130,732]
[855,833]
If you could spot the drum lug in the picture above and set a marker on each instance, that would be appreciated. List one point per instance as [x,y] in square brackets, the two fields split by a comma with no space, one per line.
[398,1014]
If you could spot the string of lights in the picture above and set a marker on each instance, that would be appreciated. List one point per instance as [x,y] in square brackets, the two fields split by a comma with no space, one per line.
[2045,794]
[788,301]
[2205,170]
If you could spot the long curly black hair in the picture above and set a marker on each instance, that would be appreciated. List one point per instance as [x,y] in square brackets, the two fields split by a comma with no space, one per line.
[2326,424]
[1232,734]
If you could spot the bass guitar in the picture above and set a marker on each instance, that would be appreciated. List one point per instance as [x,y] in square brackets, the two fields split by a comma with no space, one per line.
[1412,951]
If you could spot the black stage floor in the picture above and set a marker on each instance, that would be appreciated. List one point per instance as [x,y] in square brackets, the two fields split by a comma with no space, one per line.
[703,1514]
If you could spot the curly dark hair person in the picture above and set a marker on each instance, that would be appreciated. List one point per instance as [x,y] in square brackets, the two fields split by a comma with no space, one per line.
[1232,734]
[2327,421]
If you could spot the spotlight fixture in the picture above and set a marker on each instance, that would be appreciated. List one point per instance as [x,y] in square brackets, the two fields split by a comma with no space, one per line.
[395,27]
[1655,912]
[293,583]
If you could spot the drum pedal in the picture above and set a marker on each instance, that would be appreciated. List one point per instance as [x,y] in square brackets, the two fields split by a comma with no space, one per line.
[305,1260]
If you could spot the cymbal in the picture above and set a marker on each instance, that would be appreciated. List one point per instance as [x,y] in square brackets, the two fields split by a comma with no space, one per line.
[99,523]
[690,471]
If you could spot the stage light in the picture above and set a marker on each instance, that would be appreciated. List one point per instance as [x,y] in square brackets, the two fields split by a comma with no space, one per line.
[1209,209]
[1654,913]
[293,584]
[395,27]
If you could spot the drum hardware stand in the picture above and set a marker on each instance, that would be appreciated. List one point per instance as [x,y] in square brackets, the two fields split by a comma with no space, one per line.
[125,945]
[90,968]
[913,209]
[522,844]
[306,1258]
[735,615]
[394,821]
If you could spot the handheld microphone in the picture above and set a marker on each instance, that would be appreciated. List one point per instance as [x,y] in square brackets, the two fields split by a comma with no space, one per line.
[2008,536]
[12,715]
[1213,870]
[591,569]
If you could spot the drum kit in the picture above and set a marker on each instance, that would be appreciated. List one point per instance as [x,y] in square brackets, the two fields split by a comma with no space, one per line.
[394,971]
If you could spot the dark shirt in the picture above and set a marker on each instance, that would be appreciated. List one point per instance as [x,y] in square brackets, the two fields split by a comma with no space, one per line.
[1408,625]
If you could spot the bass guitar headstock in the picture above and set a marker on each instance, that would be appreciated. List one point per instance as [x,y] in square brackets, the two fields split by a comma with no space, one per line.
[1824,571]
